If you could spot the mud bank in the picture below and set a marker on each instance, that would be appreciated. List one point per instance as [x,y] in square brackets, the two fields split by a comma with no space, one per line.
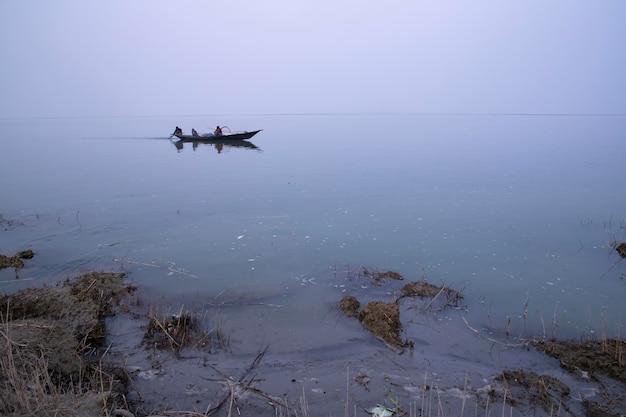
[49,350]
[90,346]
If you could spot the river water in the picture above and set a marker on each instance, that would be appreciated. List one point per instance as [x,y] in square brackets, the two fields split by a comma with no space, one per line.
[517,211]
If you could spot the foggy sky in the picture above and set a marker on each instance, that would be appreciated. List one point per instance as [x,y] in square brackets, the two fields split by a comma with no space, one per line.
[151,58]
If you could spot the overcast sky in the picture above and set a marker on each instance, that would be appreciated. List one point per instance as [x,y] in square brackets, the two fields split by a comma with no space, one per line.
[158,58]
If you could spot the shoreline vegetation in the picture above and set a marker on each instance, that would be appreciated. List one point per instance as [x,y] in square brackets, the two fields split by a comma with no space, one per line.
[55,358]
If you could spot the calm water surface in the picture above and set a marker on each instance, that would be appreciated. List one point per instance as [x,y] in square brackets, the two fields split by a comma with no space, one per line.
[518,211]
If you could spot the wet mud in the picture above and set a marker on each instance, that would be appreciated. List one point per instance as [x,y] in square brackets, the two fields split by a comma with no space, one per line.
[89,346]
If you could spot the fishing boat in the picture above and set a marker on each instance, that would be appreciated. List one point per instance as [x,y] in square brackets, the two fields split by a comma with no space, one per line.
[226,135]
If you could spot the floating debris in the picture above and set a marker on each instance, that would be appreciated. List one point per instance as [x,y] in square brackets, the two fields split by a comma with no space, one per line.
[380,411]
[362,379]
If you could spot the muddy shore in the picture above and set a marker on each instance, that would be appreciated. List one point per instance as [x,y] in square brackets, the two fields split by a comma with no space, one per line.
[92,346]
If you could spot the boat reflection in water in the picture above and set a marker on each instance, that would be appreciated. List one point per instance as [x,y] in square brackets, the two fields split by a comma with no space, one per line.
[220,145]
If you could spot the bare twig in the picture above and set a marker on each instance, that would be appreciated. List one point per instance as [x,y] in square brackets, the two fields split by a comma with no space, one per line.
[489,338]
[166,332]
[242,383]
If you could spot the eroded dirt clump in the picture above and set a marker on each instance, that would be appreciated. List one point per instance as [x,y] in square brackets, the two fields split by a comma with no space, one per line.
[349,305]
[419,289]
[589,358]
[15,261]
[383,321]
[51,335]
[424,289]
[378,277]
[621,249]
[177,331]
[173,332]
[593,360]
[593,409]
[532,388]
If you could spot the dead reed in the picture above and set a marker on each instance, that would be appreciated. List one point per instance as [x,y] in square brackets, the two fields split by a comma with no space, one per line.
[178,330]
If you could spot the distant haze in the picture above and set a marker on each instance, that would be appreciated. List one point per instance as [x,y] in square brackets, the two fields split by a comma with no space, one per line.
[147,58]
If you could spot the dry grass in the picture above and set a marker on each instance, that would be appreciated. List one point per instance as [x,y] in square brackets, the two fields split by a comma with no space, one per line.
[50,360]
[181,329]
[28,387]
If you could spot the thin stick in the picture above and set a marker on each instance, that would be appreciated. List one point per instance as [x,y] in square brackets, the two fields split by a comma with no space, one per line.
[487,407]
[12,281]
[553,337]
[165,331]
[464,395]
[243,384]
[489,338]
[434,298]
[439,401]
[232,400]
[424,393]
[169,268]
[88,288]
[346,412]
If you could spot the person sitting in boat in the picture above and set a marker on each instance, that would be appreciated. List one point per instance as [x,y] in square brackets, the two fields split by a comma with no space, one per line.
[194,132]
[177,131]
[218,131]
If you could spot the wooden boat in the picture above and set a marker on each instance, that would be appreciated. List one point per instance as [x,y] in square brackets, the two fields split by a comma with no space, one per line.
[227,136]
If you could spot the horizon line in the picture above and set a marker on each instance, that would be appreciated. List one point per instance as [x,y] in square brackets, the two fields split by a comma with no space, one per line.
[502,114]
